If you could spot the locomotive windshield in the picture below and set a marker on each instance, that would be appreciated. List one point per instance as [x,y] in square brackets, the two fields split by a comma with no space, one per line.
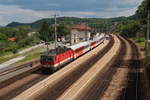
[47,58]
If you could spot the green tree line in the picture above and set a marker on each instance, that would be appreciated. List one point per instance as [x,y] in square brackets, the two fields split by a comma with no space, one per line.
[137,25]
[46,32]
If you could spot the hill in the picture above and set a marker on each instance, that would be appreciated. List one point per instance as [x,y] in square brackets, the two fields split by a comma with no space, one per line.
[15,24]
[70,20]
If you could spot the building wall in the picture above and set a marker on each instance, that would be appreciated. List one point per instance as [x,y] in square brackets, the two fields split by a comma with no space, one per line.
[77,36]
[81,35]
[88,35]
[74,36]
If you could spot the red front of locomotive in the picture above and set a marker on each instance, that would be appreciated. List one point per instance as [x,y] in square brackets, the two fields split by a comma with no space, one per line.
[53,62]
[47,60]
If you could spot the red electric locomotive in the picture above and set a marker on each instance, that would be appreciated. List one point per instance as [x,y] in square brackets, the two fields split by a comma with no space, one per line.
[56,58]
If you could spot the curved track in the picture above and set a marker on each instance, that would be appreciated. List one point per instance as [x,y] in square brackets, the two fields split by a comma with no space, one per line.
[133,90]
[98,85]
[54,92]
[26,81]
[101,82]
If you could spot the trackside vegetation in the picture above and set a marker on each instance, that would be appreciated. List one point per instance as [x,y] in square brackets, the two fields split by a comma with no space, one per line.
[13,39]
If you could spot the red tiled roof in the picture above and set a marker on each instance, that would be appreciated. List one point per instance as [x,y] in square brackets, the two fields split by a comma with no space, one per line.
[12,39]
[81,27]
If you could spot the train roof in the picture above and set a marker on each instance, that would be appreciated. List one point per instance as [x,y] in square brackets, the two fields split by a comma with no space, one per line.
[62,49]
[98,38]
[79,45]
[87,42]
[58,50]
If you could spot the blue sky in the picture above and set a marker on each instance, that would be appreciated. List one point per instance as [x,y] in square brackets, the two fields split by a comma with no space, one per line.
[31,10]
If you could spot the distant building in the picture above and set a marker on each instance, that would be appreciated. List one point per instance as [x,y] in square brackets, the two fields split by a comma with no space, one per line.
[80,32]
[12,39]
[31,33]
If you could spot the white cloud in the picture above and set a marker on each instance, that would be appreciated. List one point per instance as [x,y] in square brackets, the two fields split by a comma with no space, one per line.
[107,13]
[9,13]
[114,12]
[130,1]
[16,13]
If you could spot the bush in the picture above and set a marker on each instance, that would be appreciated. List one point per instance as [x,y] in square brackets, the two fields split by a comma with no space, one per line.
[140,39]
[129,30]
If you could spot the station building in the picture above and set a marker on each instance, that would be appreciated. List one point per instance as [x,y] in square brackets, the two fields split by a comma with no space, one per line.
[80,32]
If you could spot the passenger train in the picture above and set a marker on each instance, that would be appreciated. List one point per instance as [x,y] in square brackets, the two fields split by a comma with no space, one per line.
[56,58]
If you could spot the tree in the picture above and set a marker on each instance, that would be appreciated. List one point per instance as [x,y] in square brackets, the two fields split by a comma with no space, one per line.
[3,36]
[45,32]
[62,30]
[130,29]
[143,10]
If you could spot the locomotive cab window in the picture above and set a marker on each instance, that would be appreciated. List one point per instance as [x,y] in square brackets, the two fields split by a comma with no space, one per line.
[47,58]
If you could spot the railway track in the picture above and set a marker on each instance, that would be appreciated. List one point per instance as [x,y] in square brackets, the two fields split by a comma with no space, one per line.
[100,83]
[21,85]
[102,80]
[133,90]
[63,82]
[54,92]
[13,76]
[9,78]
[26,81]
[8,70]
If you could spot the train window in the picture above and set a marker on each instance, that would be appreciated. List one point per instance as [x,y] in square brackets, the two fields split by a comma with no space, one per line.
[86,46]
[78,50]
[50,58]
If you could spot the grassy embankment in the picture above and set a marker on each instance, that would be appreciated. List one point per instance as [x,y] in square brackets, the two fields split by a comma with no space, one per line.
[140,41]
[33,54]
[9,55]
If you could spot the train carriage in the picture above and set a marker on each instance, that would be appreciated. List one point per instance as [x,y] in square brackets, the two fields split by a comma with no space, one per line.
[93,44]
[80,48]
[55,59]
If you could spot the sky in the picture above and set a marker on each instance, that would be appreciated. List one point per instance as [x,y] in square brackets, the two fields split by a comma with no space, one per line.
[27,11]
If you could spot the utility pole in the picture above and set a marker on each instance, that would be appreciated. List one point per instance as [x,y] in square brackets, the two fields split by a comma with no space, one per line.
[55,30]
[86,25]
[148,24]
